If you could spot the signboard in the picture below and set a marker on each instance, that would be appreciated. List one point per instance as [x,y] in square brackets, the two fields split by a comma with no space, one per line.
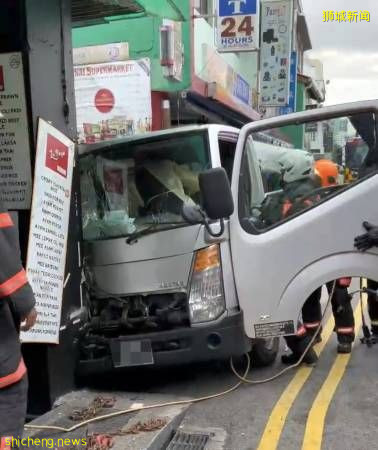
[113,100]
[276,37]
[96,54]
[242,89]
[290,108]
[15,169]
[230,84]
[46,259]
[238,25]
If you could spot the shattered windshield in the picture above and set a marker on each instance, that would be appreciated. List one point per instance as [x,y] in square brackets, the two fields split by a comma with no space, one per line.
[133,185]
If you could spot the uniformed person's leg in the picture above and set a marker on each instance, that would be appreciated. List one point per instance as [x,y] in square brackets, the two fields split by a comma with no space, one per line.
[312,313]
[344,318]
[13,400]
[373,307]
[298,344]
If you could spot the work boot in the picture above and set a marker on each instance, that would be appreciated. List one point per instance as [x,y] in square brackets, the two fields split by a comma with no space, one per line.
[344,347]
[310,358]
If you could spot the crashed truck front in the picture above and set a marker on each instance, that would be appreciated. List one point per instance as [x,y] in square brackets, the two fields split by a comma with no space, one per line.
[157,291]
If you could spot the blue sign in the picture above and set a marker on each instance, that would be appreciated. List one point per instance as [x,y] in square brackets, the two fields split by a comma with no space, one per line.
[237,7]
[290,108]
[242,90]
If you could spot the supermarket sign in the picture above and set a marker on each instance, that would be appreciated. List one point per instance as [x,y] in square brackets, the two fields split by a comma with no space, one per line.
[237,25]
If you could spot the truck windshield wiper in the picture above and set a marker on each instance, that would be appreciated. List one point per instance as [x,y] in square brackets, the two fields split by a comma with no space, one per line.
[155,227]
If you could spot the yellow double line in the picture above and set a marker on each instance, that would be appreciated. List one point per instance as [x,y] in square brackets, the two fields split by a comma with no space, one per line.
[315,421]
[277,419]
[316,418]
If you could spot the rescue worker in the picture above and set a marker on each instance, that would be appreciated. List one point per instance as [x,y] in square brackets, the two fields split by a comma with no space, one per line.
[363,243]
[299,187]
[327,173]
[16,306]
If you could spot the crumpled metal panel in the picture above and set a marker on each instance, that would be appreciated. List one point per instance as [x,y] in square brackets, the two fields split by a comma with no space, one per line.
[83,10]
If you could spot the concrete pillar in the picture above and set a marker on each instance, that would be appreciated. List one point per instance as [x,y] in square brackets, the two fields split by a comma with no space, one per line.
[47,49]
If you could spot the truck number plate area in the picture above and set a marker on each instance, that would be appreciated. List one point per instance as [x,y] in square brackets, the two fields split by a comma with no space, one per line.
[131,353]
[266,330]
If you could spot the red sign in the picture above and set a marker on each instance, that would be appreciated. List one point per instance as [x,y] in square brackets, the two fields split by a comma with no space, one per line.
[104,100]
[2,85]
[56,156]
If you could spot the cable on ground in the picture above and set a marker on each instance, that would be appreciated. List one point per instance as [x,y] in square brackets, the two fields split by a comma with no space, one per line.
[242,380]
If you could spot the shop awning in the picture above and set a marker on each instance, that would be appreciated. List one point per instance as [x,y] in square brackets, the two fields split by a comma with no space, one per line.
[169,9]
[83,10]
[216,111]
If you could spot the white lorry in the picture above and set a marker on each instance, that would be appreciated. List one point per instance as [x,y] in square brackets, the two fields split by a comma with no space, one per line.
[231,277]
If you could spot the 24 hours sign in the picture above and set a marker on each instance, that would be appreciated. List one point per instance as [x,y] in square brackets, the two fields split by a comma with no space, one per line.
[238,25]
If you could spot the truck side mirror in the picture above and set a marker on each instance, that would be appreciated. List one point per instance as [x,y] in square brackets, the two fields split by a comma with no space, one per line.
[216,193]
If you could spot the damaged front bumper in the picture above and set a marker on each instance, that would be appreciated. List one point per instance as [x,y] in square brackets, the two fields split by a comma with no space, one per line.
[180,346]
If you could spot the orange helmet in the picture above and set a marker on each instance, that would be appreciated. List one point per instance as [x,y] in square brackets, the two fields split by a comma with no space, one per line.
[327,172]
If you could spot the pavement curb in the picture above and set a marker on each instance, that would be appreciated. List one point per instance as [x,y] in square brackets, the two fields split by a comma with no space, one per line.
[141,440]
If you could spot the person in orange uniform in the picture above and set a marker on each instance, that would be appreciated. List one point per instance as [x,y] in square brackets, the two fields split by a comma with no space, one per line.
[327,173]
[16,306]
[301,192]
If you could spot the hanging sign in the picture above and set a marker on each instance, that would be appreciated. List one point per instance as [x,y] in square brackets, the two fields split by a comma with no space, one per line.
[276,37]
[290,108]
[48,236]
[237,25]
[15,169]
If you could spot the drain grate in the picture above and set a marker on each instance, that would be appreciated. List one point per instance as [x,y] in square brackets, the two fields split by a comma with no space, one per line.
[188,441]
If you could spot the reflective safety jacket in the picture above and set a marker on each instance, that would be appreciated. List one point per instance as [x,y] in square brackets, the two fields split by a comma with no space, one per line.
[16,301]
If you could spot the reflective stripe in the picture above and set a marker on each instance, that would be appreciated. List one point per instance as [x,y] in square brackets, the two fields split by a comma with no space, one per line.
[301,331]
[345,330]
[374,322]
[13,377]
[312,324]
[13,284]
[4,443]
[344,282]
[5,220]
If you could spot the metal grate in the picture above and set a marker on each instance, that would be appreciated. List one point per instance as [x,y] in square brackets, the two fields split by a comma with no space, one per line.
[83,10]
[188,441]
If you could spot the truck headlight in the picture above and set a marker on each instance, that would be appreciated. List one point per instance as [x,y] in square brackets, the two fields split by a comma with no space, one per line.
[206,298]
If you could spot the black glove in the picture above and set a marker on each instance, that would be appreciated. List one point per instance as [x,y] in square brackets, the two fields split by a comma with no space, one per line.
[369,239]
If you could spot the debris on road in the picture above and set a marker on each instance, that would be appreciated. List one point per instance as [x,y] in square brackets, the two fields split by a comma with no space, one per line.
[93,410]
[150,425]
[100,442]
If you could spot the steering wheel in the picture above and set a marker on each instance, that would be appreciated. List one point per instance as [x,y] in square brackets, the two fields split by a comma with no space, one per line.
[160,203]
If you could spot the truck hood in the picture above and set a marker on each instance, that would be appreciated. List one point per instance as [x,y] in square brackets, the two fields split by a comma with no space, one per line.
[160,261]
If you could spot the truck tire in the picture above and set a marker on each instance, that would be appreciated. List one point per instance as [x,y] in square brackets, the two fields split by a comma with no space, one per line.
[264,351]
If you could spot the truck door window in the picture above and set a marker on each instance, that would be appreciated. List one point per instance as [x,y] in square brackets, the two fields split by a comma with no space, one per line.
[297,172]
[130,186]
[227,155]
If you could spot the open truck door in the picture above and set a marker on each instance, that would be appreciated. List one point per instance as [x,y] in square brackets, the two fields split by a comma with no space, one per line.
[280,259]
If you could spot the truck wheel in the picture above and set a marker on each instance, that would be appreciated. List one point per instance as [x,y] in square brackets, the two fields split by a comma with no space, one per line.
[264,351]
